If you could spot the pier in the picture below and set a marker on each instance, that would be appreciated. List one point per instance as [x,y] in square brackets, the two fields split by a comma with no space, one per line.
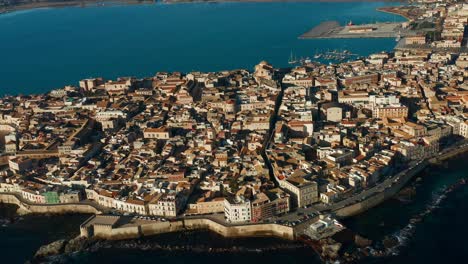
[332,29]
[322,30]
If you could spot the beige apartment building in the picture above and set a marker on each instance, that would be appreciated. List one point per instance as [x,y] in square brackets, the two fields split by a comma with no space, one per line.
[390,112]
[303,192]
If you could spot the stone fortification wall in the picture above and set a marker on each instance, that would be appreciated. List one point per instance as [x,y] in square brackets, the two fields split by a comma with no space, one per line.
[135,231]
[26,207]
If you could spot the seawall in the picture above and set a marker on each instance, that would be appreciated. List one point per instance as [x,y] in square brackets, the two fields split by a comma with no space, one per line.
[377,199]
[253,230]
[108,231]
[28,208]
[380,197]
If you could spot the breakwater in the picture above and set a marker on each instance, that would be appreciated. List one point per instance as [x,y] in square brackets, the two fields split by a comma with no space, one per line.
[322,30]
[332,29]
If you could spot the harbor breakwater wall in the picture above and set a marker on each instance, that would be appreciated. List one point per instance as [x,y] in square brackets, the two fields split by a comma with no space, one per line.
[136,231]
[31,208]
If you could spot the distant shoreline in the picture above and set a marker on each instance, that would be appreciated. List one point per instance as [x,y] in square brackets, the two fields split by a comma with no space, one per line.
[286,1]
[73,3]
[87,3]
[393,12]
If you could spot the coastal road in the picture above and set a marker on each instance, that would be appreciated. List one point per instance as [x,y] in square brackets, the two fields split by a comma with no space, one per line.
[403,176]
[300,213]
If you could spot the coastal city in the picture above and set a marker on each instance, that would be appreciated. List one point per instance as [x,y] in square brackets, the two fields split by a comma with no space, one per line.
[200,143]
[296,147]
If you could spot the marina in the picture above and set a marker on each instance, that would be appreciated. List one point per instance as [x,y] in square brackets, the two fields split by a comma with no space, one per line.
[327,56]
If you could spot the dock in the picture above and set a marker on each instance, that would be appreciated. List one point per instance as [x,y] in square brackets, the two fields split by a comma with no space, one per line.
[332,29]
[322,30]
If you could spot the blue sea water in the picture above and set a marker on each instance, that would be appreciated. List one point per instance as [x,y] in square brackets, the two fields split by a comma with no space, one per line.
[441,236]
[22,238]
[48,48]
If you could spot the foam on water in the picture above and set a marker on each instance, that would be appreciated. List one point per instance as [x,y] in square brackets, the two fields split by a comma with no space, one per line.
[404,235]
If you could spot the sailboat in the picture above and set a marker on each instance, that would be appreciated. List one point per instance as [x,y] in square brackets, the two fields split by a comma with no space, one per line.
[317,56]
[292,59]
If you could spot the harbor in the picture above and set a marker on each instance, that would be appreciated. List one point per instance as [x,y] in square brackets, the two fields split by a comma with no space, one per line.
[336,55]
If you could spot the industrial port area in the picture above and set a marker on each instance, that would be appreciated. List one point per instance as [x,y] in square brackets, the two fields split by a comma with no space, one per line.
[332,29]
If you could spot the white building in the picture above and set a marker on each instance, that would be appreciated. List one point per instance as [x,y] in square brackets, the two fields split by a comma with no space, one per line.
[105,115]
[383,100]
[237,210]
[463,131]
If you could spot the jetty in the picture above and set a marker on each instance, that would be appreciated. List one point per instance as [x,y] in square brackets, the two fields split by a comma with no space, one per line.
[322,30]
[332,29]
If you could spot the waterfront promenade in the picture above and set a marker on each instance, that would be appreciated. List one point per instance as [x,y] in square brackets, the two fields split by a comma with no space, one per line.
[388,188]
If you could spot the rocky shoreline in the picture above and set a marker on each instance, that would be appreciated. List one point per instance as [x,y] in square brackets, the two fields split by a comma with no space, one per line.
[349,247]
[9,214]
[400,238]
[62,249]
[390,245]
